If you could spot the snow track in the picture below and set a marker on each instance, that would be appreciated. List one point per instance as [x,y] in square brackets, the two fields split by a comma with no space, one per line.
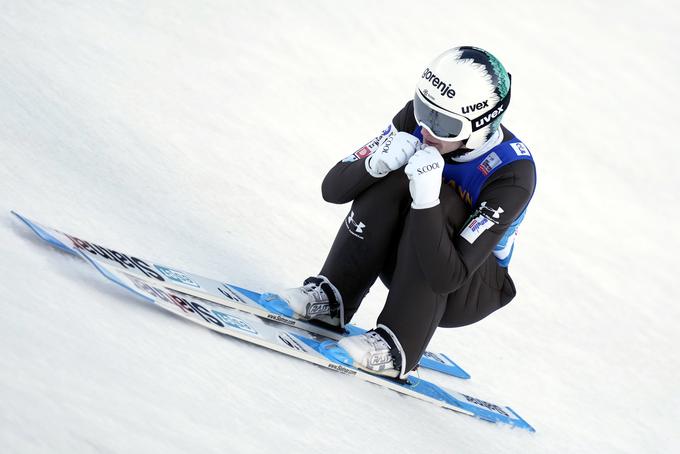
[213,123]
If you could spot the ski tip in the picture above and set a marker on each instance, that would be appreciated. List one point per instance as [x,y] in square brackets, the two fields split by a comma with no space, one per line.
[43,234]
[17,215]
[110,276]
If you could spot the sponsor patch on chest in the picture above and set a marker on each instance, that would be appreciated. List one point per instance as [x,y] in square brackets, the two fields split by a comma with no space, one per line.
[491,162]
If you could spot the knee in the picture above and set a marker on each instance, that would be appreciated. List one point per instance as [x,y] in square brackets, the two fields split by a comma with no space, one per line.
[466,308]
[393,187]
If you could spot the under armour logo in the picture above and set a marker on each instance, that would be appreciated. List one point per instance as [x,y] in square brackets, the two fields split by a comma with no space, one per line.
[496,214]
[359,227]
[354,227]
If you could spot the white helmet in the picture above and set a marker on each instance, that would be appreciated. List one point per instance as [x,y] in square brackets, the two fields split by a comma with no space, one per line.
[462,95]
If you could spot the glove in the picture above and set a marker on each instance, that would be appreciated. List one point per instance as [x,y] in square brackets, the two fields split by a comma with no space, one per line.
[393,153]
[424,171]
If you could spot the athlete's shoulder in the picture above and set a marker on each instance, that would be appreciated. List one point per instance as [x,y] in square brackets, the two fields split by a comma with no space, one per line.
[513,145]
[518,169]
[404,120]
[507,134]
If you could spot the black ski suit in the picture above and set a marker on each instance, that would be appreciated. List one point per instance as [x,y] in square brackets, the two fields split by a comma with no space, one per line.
[435,278]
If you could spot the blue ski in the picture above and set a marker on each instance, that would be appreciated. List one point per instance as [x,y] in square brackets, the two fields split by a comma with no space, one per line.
[210,289]
[272,331]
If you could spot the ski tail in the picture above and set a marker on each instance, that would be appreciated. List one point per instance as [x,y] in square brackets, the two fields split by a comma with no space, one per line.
[442,363]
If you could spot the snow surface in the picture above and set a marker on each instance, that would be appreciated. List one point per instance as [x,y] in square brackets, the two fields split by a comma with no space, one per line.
[197,134]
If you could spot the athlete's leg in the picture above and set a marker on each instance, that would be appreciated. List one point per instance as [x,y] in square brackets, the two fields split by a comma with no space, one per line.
[489,289]
[367,239]
[413,310]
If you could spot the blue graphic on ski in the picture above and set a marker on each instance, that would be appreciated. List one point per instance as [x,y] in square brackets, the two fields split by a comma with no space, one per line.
[144,281]
[217,291]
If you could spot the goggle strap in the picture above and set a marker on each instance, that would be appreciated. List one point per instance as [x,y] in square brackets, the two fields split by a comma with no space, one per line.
[485,119]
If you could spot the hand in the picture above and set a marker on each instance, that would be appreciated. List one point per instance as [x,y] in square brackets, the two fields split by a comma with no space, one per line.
[424,171]
[393,153]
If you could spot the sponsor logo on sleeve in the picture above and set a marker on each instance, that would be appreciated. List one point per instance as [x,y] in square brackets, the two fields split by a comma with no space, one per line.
[475,228]
[372,146]
[361,153]
[520,149]
[494,213]
[482,220]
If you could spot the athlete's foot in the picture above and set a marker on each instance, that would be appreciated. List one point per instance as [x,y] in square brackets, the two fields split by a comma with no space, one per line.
[317,299]
[375,351]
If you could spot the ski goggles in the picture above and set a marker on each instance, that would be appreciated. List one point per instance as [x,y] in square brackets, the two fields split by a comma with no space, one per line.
[448,126]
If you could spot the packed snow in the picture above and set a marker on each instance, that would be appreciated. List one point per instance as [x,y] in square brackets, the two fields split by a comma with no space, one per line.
[198,133]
